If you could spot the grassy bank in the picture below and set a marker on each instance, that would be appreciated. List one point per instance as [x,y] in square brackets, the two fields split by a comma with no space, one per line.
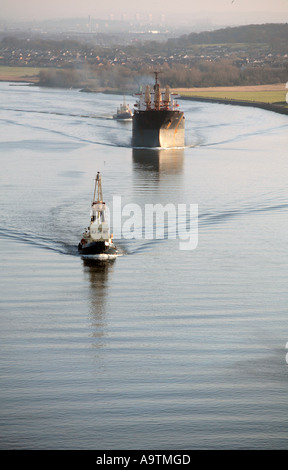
[272,94]
[19,74]
[263,97]
[269,97]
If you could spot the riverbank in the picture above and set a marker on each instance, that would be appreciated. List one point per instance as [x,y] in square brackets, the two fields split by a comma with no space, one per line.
[271,97]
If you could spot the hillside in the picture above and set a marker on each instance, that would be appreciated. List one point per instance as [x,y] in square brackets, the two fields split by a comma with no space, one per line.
[268,33]
[244,55]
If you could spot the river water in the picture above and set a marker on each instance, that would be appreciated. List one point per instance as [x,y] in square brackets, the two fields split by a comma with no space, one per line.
[164,348]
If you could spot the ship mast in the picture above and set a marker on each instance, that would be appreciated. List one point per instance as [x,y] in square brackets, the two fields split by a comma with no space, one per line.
[98,188]
[147,97]
[157,93]
[156,77]
[167,97]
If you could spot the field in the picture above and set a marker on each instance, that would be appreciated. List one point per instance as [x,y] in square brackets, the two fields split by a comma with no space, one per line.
[19,74]
[262,93]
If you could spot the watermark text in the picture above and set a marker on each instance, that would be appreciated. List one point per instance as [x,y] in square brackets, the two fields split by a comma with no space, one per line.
[156,221]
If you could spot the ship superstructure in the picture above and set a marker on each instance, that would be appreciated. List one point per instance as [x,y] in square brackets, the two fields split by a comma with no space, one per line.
[157,119]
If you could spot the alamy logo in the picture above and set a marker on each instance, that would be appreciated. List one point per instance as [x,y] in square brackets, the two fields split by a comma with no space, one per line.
[155,222]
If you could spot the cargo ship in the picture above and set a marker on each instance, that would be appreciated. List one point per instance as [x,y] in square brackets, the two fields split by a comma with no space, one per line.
[96,239]
[157,119]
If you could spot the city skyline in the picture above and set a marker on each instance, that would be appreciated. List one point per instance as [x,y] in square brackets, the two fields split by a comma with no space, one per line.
[224,12]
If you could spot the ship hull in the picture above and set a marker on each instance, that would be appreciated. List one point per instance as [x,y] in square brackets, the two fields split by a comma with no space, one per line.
[96,248]
[162,128]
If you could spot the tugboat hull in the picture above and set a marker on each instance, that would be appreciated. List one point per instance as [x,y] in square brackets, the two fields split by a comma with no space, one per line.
[123,117]
[94,248]
[98,250]
[162,128]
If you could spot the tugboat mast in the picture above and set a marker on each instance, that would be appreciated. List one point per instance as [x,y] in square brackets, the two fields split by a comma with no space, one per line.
[99,188]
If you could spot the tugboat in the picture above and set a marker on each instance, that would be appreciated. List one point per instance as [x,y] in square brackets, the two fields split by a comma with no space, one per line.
[123,113]
[157,119]
[96,239]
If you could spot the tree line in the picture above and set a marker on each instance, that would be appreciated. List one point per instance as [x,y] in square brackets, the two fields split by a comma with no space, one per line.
[203,74]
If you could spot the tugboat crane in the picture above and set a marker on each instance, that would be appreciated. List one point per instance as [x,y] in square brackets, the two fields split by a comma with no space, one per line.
[99,188]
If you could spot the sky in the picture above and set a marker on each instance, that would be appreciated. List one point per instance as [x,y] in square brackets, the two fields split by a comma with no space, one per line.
[216,11]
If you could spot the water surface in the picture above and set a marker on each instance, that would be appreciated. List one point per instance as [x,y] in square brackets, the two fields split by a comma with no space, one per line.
[162,348]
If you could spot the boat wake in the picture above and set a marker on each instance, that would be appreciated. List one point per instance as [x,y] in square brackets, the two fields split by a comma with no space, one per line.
[187,146]
[39,242]
[107,117]
[211,218]
[135,246]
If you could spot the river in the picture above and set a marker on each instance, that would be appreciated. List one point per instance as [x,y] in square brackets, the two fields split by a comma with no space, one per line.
[165,347]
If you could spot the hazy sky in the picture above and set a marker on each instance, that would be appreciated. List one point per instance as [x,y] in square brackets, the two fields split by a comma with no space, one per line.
[221,11]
